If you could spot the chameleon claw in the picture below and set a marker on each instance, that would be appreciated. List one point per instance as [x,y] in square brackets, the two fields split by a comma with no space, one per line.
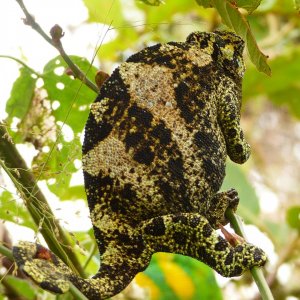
[232,238]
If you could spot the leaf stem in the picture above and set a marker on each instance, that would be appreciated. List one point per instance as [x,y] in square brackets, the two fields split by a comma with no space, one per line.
[56,43]
[256,272]
[21,63]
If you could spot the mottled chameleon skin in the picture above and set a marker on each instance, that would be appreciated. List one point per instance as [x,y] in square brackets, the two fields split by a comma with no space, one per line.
[154,154]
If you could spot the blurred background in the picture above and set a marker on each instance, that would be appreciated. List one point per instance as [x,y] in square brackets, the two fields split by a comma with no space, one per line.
[38,101]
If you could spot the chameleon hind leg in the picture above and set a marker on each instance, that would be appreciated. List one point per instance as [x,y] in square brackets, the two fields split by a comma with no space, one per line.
[191,234]
[116,271]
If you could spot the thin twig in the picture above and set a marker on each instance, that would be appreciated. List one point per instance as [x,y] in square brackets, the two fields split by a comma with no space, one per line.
[256,272]
[56,43]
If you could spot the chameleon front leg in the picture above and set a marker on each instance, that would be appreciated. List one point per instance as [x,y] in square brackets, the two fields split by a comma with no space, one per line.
[229,114]
[191,234]
[218,206]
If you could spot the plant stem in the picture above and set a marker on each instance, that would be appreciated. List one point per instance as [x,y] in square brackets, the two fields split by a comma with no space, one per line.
[14,165]
[30,21]
[256,272]
[6,252]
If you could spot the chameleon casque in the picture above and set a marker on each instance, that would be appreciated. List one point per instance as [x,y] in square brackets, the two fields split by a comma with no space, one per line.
[154,154]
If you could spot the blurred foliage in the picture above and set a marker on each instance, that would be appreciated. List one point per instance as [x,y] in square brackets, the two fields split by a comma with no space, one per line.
[48,111]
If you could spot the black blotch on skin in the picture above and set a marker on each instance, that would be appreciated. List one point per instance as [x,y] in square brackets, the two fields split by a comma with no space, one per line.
[94,133]
[95,185]
[231,133]
[100,240]
[210,261]
[133,139]
[50,287]
[202,138]
[162,133]
[238,148]
[182,93]
[209,167]
[144,156]
[216,52]
[142,116]
[156,227]
[237,270]
[145,55]
[203,43]
[207,230]
[221,245]
[180,238]
[175,166]
[239,248]
[163,59]
[195,221]
[163,248]
[180,219]
[229,258]
[127,192]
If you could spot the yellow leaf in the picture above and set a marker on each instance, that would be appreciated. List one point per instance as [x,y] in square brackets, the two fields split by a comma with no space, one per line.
[177,279]
[145,282]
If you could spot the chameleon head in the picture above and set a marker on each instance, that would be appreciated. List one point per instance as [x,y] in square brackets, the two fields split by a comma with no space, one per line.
[225,47]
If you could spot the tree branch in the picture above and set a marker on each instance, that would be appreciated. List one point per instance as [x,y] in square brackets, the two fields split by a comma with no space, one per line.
[56,34]
[256,272]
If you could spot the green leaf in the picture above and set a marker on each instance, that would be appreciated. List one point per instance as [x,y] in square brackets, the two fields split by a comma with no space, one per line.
[203,277]
[235,20]
[180,277]
[249,203]
[11,210]
[166,13]
[152,2]
[126,38]
[293,217]
[105,11]
[205,3]
[21,95]
[60,166]
[282,88]
[22,287]
[297,6]
[249,5]
[71,95]
[232,18]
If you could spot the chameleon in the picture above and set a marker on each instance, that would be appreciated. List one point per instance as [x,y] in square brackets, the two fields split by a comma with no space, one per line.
[154,156]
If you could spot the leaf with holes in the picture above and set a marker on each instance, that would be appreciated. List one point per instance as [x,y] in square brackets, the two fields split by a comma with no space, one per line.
[69,97]
[21,95]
